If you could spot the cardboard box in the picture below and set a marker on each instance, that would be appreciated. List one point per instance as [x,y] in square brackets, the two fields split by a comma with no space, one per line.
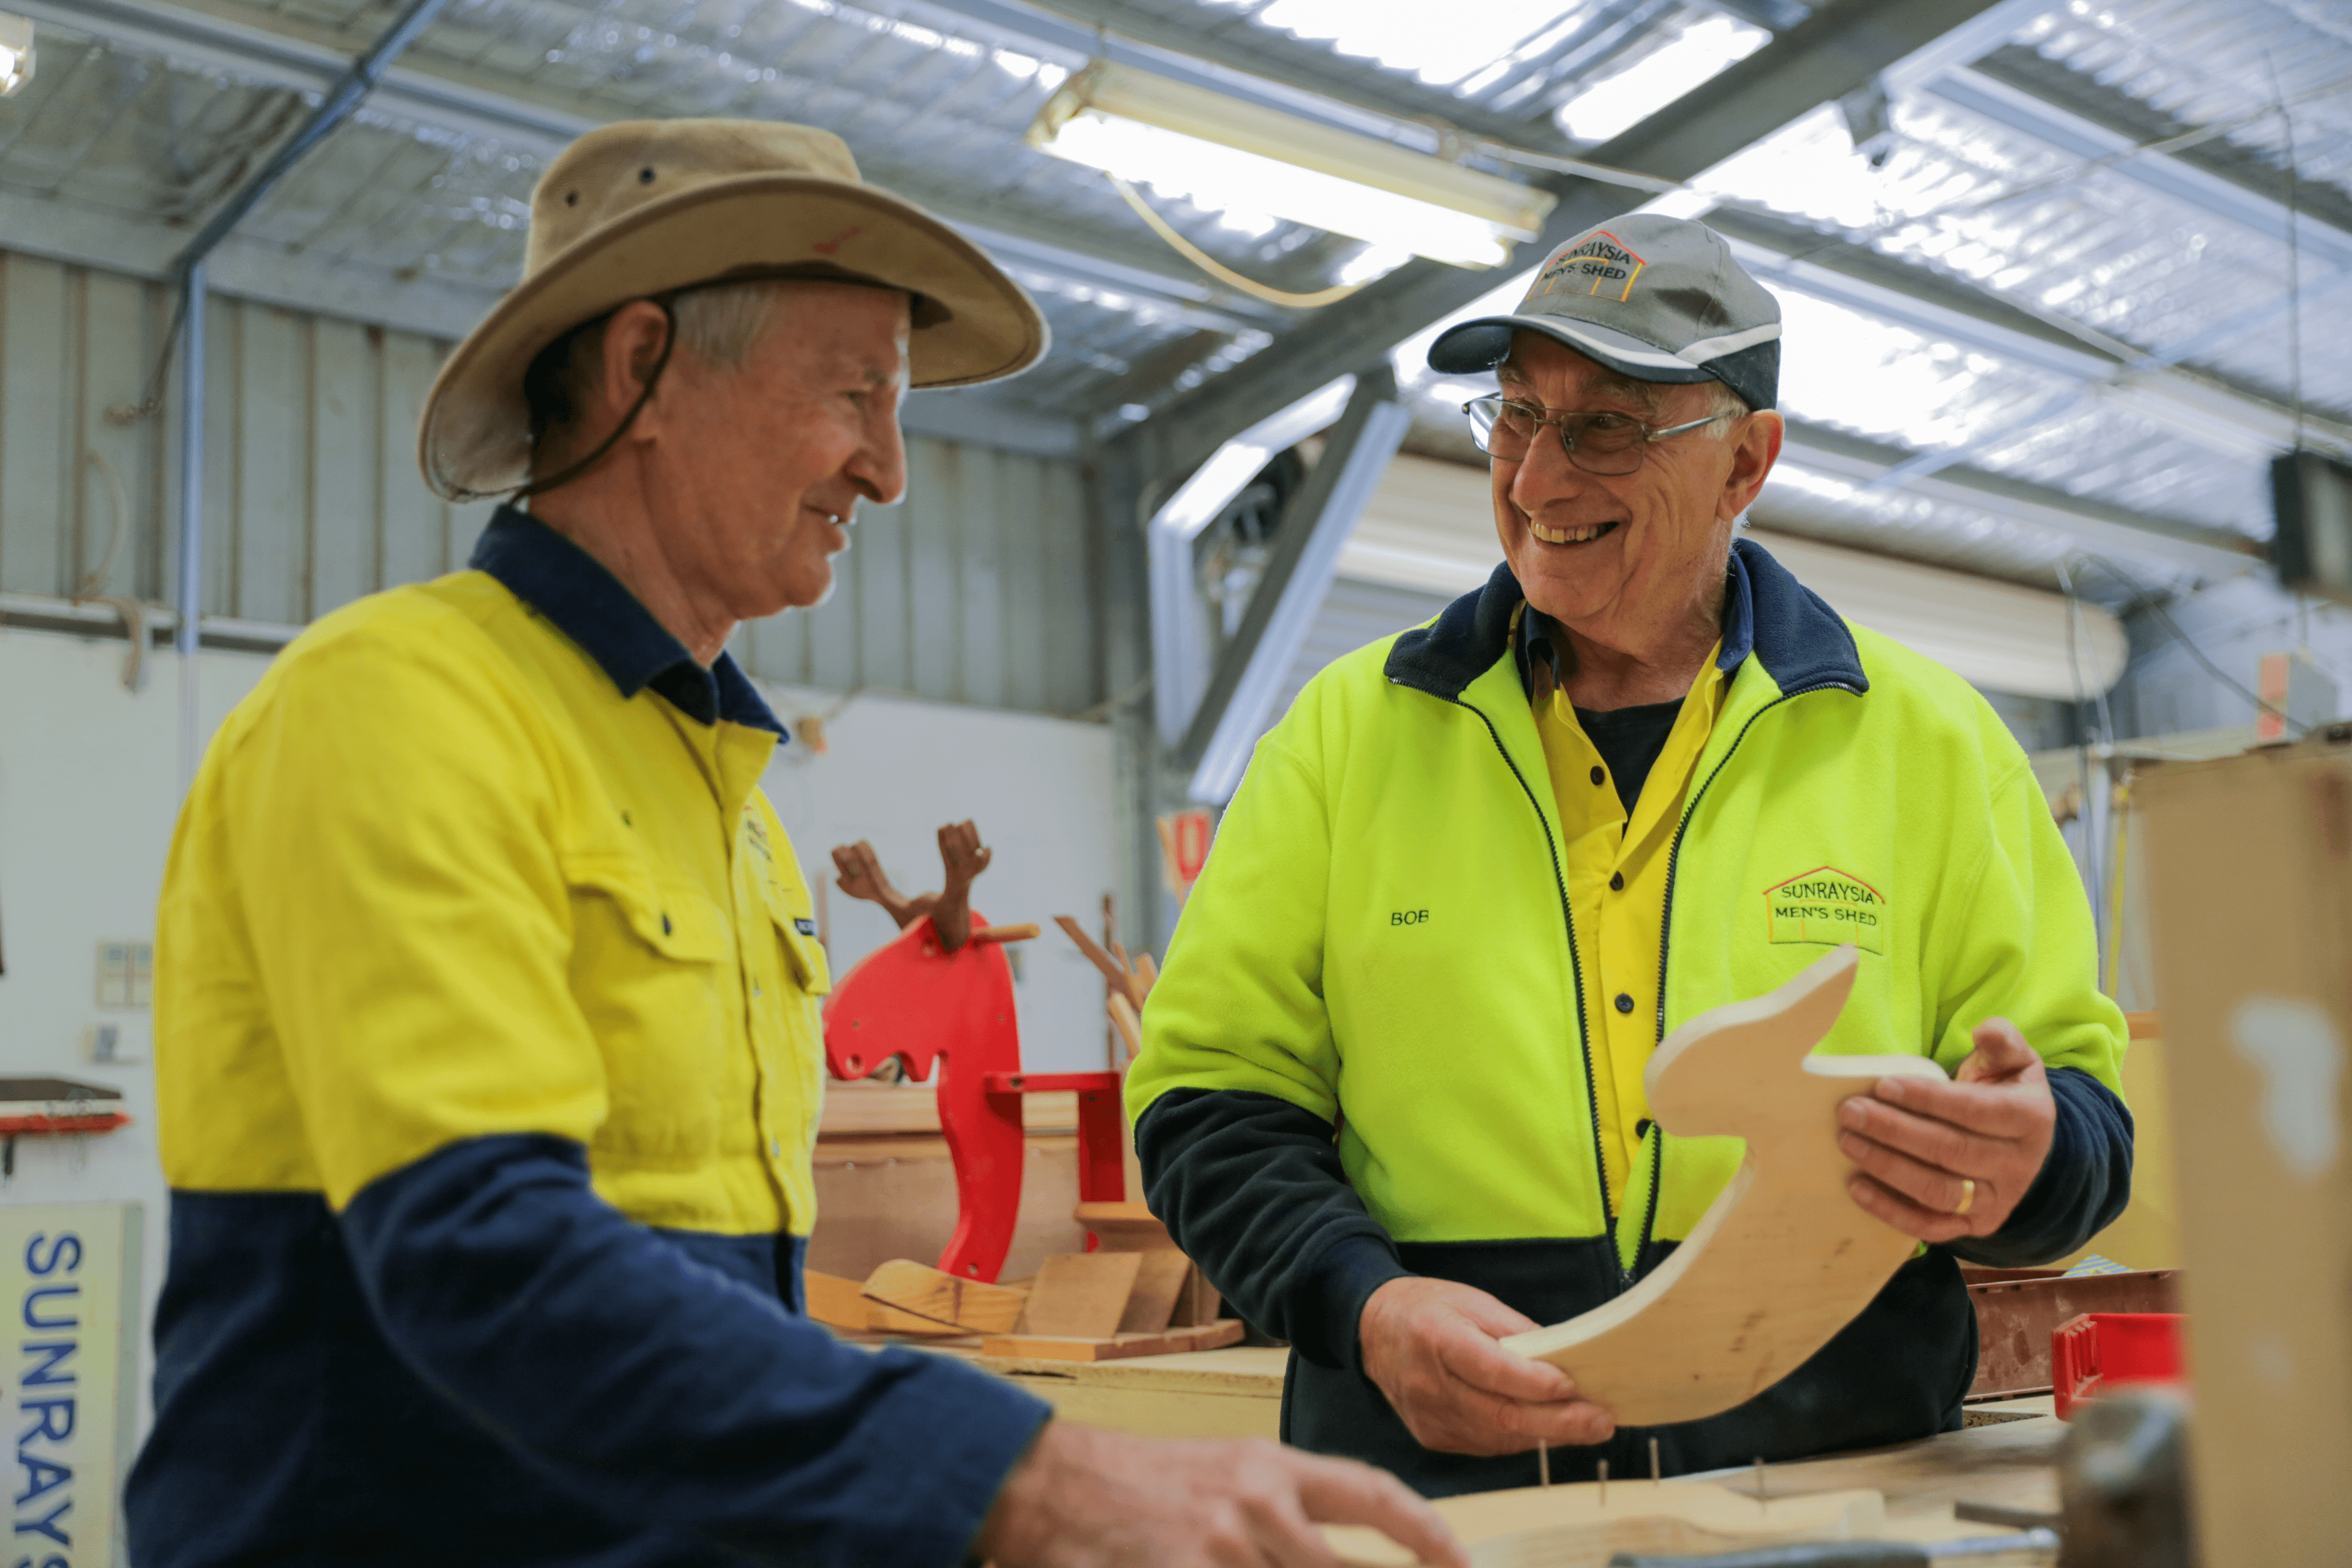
[2249,885]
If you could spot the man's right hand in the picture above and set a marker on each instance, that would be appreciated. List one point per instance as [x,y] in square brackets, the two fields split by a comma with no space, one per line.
[1087,1497]
[1429,1344]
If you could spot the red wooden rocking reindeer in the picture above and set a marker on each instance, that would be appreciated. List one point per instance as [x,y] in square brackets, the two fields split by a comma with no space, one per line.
[942,994]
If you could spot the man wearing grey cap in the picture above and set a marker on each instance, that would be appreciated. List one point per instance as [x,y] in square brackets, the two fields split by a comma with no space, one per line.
[1390,1095]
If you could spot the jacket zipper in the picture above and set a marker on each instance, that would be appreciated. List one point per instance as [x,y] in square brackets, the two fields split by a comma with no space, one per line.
[1575,968]
[1667,924]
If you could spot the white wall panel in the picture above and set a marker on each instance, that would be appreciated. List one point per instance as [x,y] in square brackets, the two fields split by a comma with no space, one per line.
[973,590]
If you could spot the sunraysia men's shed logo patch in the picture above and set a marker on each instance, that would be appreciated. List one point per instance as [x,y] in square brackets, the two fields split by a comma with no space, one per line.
[1826,907]
[1599,265]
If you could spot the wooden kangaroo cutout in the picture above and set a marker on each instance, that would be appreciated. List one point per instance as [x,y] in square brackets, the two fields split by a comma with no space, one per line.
[1784,1258]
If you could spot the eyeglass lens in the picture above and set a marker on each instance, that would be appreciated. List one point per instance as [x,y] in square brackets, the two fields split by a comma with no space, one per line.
[1600,443]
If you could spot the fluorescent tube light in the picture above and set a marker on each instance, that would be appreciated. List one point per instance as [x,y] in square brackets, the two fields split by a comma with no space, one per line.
[16,52]
[1223,152]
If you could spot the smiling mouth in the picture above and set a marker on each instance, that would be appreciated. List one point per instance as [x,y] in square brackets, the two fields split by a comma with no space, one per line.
[1570,535]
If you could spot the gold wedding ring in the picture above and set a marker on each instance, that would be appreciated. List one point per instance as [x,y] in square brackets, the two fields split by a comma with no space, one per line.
[1967,1194]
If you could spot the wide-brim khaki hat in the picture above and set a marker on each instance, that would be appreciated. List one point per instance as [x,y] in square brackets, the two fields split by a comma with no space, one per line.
[645,208]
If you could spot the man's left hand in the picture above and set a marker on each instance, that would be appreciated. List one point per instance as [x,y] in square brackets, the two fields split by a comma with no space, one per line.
[1942,1161]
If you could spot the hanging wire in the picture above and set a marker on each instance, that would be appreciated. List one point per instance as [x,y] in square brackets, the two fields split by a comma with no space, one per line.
[2149,602]
[1218,269]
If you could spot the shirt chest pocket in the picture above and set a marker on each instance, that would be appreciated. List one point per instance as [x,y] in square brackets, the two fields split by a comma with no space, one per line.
[803,956]
[650,970]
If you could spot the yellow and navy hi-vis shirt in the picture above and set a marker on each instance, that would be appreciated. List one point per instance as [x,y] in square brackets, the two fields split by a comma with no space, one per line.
[487,1072]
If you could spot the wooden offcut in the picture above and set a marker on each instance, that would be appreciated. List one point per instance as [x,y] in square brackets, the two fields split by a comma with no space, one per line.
[1159,1281]
[1081,1295]
[841,1304]
[924,1291]
[1589,1521]
[1113,1347]
[1784,1258]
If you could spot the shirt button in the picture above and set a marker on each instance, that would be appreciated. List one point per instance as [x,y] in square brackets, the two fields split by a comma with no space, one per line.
[664,925]
[1624,1002]
[1598,774]
[776,1148]
[1617,882]
[756,992]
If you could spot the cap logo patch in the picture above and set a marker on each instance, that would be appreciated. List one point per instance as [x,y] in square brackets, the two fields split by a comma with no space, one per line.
[1598,265]
[827,246]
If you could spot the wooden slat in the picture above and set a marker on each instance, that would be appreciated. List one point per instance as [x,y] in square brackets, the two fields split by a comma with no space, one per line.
[871,1110]
[1115,1347]
[926,1292]
[1159,1283]
[1081,1295]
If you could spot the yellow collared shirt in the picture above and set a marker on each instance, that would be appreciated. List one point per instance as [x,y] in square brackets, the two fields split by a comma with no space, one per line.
[1616,873]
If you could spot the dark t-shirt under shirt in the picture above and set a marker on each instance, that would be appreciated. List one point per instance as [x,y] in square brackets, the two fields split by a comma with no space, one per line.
[1629,739]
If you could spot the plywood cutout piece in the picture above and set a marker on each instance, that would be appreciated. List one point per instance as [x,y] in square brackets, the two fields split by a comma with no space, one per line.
[1081,1295]
[1572,1525]
[1784,1258]
[1159,1280]
[1116,1347]
[839,1303]
[928,1292]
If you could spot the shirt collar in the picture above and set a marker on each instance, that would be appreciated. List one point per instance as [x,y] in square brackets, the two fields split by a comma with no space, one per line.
[1539,637]
[587,604]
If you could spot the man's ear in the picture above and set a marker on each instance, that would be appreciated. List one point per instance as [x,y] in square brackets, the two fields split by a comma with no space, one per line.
[1753,454]
[633,340]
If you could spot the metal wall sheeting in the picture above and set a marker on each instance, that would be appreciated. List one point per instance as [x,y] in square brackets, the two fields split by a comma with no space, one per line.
[312,496]
[978,589]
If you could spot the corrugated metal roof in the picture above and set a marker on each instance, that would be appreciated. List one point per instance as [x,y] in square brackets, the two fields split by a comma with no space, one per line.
[935,103]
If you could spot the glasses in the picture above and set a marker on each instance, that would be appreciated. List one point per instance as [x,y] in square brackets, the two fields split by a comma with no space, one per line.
[1597,443]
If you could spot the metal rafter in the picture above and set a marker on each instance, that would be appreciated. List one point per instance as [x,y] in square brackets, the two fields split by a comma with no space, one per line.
[2064,109]
[1839,49]
[476,104]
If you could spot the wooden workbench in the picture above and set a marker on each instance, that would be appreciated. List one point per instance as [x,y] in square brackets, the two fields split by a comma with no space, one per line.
[2004,1456]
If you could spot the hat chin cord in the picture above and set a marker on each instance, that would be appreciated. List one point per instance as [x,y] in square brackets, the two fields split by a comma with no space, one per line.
[572,471]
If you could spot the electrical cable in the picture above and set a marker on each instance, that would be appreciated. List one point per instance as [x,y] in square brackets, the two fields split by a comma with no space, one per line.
[1218,269]
[2149,602]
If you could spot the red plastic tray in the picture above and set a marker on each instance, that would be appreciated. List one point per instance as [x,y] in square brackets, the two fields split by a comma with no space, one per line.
[2099,1350]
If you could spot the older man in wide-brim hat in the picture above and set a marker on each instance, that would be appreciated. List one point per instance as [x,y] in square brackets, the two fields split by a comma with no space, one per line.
[488,1043]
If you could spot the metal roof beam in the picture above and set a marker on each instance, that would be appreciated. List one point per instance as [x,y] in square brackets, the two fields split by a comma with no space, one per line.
[474,105]
[1249,674]
[1839,49]
[2213,552]
[2062,108]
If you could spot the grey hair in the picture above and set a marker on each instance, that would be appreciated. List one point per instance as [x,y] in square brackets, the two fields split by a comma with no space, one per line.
[719,326]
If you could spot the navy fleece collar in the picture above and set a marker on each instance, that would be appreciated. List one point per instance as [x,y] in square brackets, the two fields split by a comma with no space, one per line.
[588,605]
[1797,637]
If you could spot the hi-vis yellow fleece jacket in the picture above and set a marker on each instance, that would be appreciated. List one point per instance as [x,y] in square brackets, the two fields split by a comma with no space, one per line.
[1368,1053]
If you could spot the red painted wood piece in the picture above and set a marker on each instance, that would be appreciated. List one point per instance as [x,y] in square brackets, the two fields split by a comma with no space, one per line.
[915,1000]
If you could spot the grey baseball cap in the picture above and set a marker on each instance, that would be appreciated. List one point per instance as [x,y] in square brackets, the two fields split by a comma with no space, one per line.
[1657,299]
